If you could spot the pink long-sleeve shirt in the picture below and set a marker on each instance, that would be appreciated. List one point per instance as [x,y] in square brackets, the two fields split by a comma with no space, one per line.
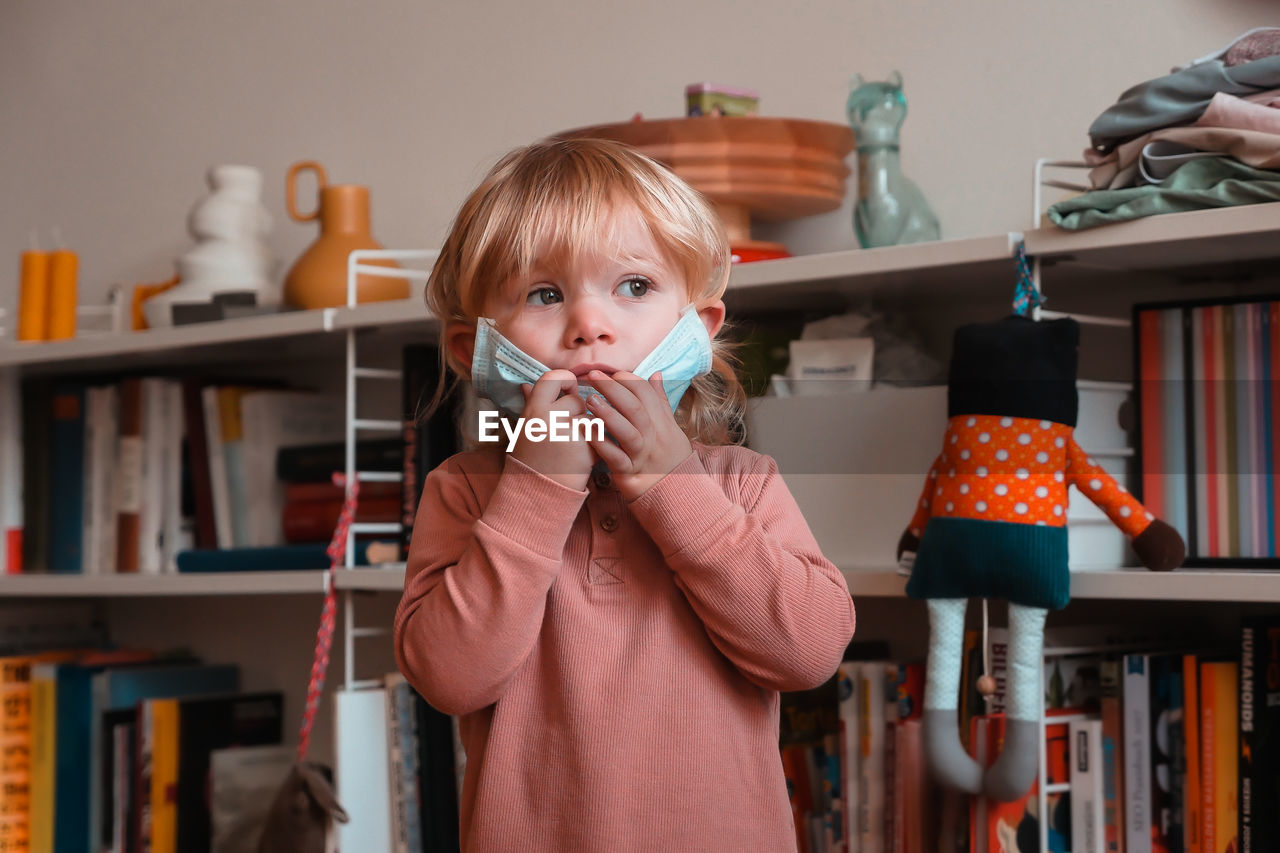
[616,665]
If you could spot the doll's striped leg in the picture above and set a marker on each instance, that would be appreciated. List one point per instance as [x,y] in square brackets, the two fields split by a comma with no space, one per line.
[1014,771]
[951,765]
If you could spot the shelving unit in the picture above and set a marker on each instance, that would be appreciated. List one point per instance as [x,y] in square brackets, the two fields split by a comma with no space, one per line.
[267,620]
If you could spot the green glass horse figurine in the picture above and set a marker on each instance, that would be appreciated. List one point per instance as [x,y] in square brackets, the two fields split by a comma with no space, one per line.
[890,209]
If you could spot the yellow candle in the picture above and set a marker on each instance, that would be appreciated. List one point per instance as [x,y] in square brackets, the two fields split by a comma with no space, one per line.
[63,266]
[33,309]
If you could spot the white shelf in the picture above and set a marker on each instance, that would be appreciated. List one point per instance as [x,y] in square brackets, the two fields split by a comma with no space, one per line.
[1178,242]
[138,585]
[919,268]
[972,266]
[1258,586]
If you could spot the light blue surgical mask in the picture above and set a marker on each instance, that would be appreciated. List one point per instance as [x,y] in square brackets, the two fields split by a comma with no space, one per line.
[499,367]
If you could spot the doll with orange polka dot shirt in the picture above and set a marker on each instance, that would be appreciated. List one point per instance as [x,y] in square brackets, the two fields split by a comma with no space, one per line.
[991,522]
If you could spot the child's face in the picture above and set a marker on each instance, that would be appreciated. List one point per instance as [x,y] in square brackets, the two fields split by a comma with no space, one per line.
[607,312]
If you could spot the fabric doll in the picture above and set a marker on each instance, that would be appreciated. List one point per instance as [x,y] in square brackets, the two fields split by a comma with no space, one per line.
[991,522]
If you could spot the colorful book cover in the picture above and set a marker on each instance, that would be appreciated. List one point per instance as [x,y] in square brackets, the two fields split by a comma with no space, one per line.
[1259,721]
[159,833]
[1173,463]
[1168,753]
[1014,827]
[850,765]
[1230,433]
[1273,311]
[1267,393]
[44,729]
[1209,384]
[11,471]
[1197,542]
[1258,392]
[15,746]
[1242,386]
[1219,743]
[1223,440]
[1151,407]
[1109,677]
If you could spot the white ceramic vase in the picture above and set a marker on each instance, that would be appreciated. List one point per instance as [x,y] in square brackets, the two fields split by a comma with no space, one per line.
[231,255]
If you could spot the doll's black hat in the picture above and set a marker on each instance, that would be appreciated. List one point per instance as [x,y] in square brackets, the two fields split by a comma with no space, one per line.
[1016,367]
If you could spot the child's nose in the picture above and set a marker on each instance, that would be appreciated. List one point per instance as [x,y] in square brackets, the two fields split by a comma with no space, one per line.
[588,322]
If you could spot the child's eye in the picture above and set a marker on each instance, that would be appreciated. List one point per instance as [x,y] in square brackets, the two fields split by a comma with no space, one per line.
[543,296]
[634,287]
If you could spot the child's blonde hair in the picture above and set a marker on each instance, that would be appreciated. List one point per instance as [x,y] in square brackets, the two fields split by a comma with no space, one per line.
[548,202]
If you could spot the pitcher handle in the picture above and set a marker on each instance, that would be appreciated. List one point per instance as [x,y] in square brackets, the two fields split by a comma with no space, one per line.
[290,183]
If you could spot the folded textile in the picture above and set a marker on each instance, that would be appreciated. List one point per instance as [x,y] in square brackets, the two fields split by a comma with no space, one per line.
[1245,44]
[1178,97]
[1252,147]
[1199,184]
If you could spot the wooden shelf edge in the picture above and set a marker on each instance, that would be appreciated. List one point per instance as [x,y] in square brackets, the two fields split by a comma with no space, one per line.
[1221,223]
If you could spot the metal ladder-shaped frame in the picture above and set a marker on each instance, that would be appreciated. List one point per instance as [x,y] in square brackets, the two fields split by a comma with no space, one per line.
[357,266]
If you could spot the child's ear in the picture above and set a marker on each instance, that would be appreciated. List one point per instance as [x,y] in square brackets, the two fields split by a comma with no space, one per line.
[460,342]
[712,317]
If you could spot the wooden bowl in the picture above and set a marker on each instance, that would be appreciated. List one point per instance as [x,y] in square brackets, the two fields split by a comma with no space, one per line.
[772,169]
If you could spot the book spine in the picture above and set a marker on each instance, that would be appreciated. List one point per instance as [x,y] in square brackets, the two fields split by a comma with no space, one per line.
[850,766]
[15,745]
[1109,676]
[397,804]
[11,475]
[1087,806]
[1226,757]
[1137,754]
[66,480]
[1260,740]
[1192,815]
[129,476]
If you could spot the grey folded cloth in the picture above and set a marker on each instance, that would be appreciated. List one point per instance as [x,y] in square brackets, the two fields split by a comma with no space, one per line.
[1246,47]
[1196,185]
[1179,97]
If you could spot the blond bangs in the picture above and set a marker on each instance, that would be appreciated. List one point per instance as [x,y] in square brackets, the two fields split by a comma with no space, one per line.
[551,203]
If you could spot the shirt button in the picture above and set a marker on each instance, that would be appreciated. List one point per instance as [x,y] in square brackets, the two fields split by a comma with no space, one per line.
[602,479]
[609,523]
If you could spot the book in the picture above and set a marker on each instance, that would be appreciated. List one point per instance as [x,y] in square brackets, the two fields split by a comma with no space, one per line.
[271,420]
[1191,800]
[102,428]
[318,463]
[441,761]
[1167,751]
[428,439]
[1259,725]
[1136,687]
[361,768]
[206,724]
[121,689]
[1111,712]
[1219,743]
[281,558]
[129,489]
[1014,827]
[1088,830]
[11,473]
[66,478]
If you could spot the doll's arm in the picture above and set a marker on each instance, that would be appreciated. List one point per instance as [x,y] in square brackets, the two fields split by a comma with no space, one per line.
[476,582]
[752,572]
[1159,546]
[1097,485]
[923,512]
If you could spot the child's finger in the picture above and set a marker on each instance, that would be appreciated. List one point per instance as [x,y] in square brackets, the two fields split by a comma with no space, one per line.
[526,389]
[550,386]
[622,429]
[612,455]
[621,392]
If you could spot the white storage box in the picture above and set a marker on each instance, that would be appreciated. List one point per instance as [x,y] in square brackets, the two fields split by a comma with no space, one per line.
[856,465]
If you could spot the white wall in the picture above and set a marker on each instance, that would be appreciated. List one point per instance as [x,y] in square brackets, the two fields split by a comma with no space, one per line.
[111,112]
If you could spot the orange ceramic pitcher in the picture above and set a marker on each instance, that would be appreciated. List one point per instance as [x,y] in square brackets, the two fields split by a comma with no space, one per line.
[318,278]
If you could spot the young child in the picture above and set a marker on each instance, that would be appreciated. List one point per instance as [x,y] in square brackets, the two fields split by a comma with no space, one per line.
[611,619]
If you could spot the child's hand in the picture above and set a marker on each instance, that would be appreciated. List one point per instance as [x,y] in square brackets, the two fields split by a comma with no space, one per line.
[567,462]
[637,414]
